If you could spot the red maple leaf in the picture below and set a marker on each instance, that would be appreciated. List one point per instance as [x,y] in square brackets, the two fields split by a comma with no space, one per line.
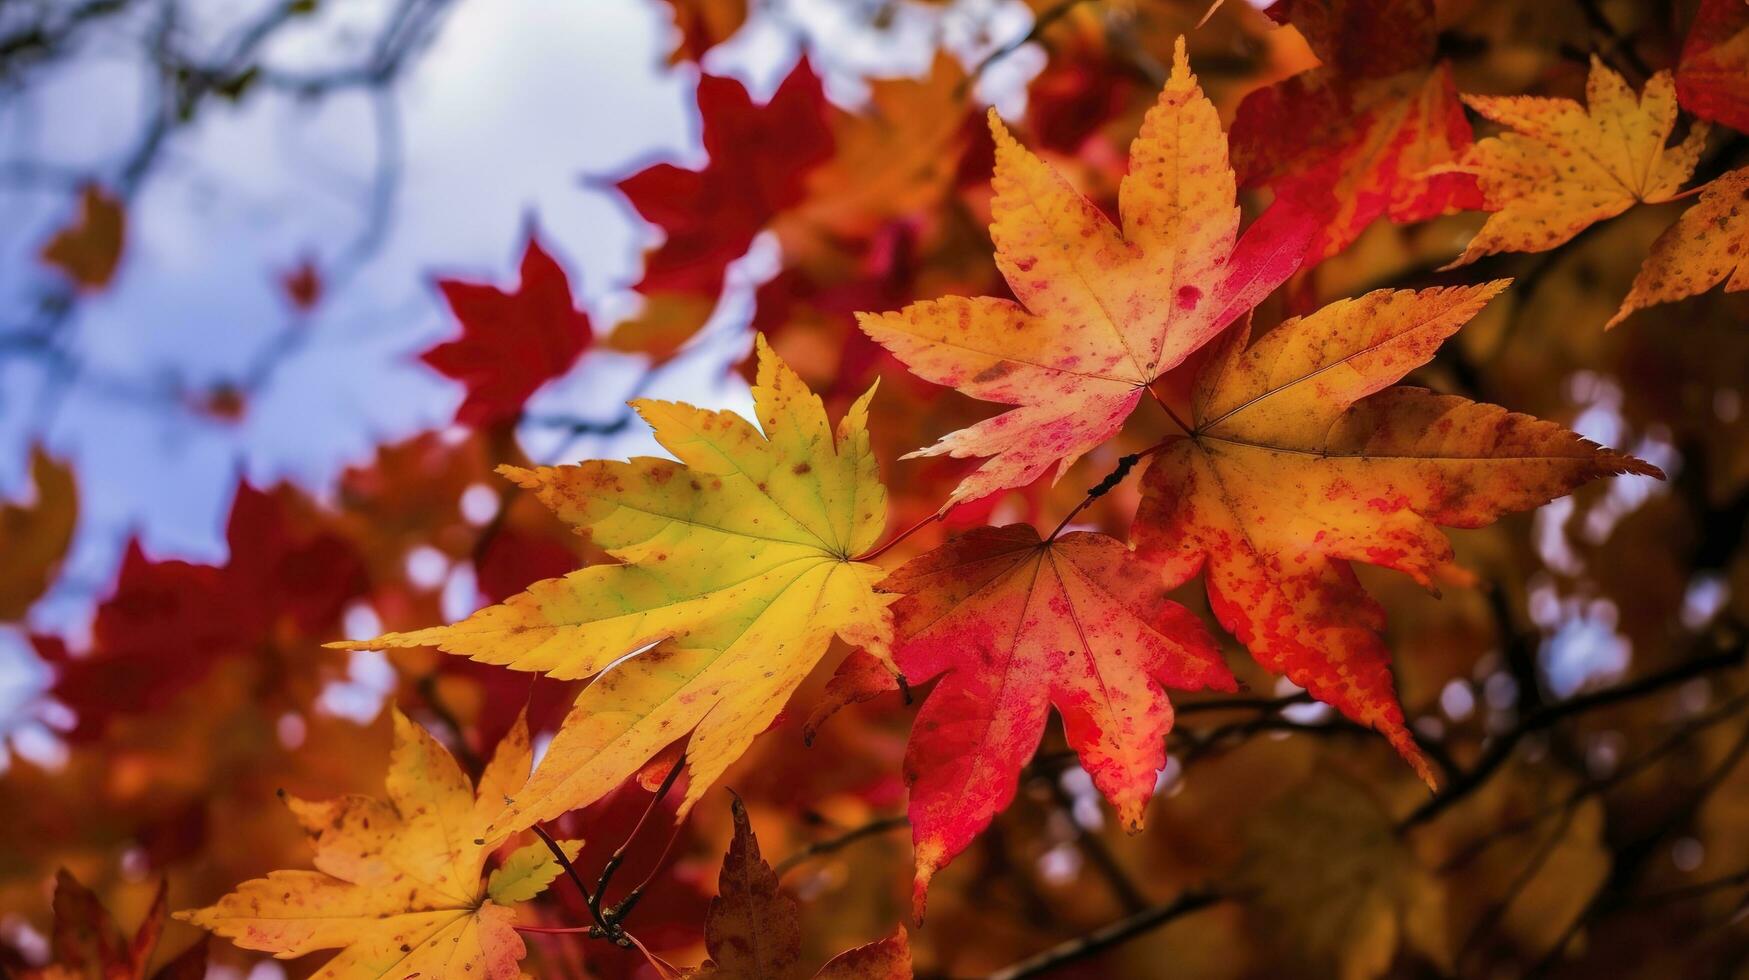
[168,622]
[1355,136]
[759,156]
[1712,79]
[511,343]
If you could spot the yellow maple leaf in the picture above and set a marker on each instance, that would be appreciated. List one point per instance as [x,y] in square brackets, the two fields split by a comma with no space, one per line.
[1331,883]
[397,885]
[1708,245]
[1563,166]
[1302,458]
[1102,311]
[738,566]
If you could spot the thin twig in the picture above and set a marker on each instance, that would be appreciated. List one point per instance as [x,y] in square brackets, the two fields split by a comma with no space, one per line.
[831,844]
[1108,936]
[1501,749]
[1105,486]
[1116,878]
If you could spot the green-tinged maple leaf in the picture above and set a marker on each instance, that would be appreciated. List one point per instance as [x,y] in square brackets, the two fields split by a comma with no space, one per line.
[737,567]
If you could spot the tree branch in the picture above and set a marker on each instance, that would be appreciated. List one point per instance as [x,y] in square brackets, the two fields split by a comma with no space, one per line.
[1099,940]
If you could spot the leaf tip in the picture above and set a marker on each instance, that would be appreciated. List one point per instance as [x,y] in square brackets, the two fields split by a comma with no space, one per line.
[523,477]
[998,130]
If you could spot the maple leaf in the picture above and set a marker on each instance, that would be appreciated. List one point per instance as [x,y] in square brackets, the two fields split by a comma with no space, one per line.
[1014,625]
[86,945]
[703,24]
[89,248]
[1563,167]
[1708,245]
[287,581]
[759,159]
[1075,95]
[753,930]
[34,538]
[1363,130]
[1712,79]
[1330,838]
[1290,472]
[511,343]
[1102,313]
[397,885]
[737,568]
[896,157]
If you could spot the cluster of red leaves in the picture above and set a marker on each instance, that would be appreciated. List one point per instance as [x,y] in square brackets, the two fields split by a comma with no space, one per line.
[167,623]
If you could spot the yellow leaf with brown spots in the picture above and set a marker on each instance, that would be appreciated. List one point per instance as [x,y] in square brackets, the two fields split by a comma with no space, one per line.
[1708,245]
[1300,458]
[738,564]
[1563,166]
[1103,311]
[397,886]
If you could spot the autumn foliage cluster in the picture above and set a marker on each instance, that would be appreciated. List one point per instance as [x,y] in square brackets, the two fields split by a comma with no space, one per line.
[1126,565]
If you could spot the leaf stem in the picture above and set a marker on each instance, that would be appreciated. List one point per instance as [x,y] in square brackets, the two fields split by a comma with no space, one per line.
[902,535]
[1170,413]
[624,906]
[1105,486]
[1685,195]
[571,872]
[614,860]
[555,930]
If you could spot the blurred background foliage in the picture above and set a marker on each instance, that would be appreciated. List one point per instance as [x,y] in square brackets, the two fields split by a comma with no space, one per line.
[225,227]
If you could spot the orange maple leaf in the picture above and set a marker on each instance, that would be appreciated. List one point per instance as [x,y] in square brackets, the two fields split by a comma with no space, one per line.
[1102,312]
[1290,472]
[1708,245]
[1566,166]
